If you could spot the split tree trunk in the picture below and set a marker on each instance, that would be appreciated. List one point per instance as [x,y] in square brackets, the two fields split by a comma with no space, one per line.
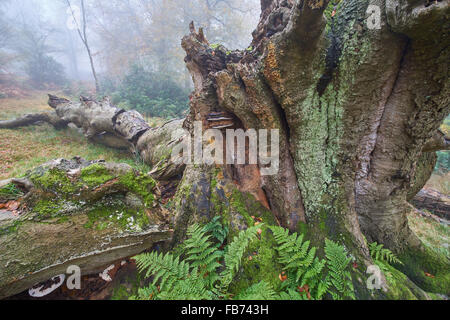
[357,109]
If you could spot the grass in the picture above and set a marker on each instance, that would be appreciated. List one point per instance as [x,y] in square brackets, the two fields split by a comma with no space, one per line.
[440,182]
[432,233]
[25,148]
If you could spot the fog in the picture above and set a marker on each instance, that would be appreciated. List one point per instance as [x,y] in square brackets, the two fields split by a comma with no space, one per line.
[42,41]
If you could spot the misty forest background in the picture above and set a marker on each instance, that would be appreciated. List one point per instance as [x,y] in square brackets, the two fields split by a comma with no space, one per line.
[135,47]
[136,50]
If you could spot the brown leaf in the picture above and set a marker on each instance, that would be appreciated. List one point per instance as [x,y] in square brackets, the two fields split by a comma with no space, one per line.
[13,205]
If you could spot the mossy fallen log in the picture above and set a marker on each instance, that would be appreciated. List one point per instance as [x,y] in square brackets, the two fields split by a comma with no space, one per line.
[75,212]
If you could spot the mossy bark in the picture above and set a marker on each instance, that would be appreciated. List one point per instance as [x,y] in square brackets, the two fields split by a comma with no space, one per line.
[356,108]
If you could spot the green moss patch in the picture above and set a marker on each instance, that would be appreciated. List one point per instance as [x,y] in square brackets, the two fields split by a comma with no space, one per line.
[140,184]
[112,212]
[10,192]
[95,175]
[55,181]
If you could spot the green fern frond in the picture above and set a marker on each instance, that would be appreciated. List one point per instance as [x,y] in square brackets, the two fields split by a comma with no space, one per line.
[291,294]
[193,288]
[199,251]
[234,253]
[165,269]
[381,254]
[259,291]
[217,230]
[339,276]
[296,256]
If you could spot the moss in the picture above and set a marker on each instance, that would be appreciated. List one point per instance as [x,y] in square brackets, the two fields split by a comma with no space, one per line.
[55,181]
[95,174]
[10,228]
[10,192]
[112,212]
[402,288]
[128,286]
[426,268]
[53,208]
[141,185]
[121,292]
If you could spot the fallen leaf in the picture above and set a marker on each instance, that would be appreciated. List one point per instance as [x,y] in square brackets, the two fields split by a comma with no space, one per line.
[13,205]
[303,289]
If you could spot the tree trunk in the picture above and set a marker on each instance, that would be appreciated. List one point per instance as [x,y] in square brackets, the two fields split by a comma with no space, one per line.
[101,122]
[356,109]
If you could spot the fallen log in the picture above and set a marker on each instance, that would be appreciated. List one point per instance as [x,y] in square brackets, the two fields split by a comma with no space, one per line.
[102,122]
[83,213]
[433,201]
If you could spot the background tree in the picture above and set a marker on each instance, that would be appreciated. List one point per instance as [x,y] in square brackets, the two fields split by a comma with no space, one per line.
[82,32]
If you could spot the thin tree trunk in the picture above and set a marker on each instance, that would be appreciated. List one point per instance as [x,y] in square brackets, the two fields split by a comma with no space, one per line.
[83,36]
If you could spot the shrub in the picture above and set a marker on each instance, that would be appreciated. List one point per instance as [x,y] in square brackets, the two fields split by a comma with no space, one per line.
[44,69]
[148,92]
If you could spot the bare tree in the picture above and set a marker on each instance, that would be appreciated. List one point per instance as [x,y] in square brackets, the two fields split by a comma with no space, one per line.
[82,32]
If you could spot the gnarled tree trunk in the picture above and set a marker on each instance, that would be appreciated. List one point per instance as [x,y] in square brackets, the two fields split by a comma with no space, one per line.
[357,108]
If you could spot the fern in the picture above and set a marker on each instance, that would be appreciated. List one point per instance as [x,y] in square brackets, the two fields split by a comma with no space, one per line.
[202,253]
[299,261]
[259,291]
[291,294]
[166,269]
[234,253]
[217,230]
[203,271]
[384,258]
[198,276]
[380,254]
[338,276]
[193,288]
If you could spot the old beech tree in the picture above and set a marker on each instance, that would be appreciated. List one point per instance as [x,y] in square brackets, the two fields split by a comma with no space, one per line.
[358,111]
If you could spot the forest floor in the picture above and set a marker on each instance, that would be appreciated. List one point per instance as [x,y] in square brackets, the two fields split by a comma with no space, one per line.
[26,148]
